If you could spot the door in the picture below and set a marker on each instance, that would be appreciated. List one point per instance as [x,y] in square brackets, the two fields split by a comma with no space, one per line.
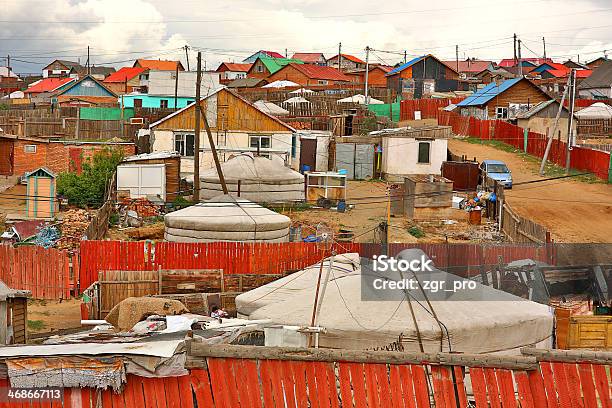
[308,154]
[76,159]
[364,161]
[6,157]
[345,159]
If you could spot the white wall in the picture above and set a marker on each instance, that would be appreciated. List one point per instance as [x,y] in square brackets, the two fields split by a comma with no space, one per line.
[163,140]
[163,83]
[400,156]
[323,140]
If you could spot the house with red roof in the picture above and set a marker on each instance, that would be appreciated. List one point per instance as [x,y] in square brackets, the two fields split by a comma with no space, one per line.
[159,65]
[470,67]
[48,86]
[527,62]
[229,71]
[312,58]
[126,80]
[376,75]
[421,76]
[262,53]
[309,75]
[346,61]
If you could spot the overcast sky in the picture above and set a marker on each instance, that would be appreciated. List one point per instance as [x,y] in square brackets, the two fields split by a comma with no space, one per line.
[34,32]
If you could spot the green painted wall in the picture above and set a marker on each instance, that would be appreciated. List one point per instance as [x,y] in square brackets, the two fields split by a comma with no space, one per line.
[106,113]
[383,110]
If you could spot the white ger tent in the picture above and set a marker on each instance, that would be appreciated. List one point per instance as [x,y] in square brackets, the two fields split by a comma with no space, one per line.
[484,321]
[301,91]
[296,100]
[360,99]
[270,108]
[598,110]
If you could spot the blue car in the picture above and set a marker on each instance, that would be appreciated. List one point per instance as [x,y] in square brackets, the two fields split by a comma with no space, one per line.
[497,170]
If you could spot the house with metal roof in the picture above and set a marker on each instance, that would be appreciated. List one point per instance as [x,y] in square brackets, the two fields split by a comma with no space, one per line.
[84,92]
[526,62]
[599,84]
[469,67]
[262,53]
[309,75]
[126,80]
[313,58]
[540,118]
[47,85]
[422,76]
[160,65]
[229,71]
[502,101]
[59,68]
[346,62]
[98,72]
[263,67]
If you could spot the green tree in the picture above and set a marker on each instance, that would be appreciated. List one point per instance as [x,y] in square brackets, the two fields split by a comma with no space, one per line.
[87,189]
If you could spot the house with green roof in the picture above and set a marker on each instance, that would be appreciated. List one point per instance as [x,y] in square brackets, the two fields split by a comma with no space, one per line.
[266,66]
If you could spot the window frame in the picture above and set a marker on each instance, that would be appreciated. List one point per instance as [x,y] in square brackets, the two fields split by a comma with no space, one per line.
[259,138]
[29,146]
[162,102]
[503,109]
[184,143]
[424,143]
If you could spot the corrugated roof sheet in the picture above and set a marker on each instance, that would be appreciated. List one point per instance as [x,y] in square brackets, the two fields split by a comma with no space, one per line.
[509,62]
[308,57]
[235,67]
[274,64]
[469,66]
[406,65]
[319,72]
[349,57]
[160,65]
[488,92]
[48,85]
[601,77]
[124,74]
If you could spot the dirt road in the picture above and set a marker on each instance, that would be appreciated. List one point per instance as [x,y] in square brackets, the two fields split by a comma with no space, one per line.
[573,211]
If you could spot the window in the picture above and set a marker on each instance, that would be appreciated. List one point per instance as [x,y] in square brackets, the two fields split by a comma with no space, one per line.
[163,103]
[261,142]
[424,148]
[184,144]
[322,82]
[137,103]
[294,146]
[259,68]
[29,149]
[501,112]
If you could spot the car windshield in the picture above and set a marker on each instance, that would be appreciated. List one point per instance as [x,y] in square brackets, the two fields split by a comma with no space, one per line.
[497,168]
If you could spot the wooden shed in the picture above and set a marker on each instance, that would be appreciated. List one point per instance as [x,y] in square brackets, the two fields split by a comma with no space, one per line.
[40,191]
[13,315]
[134,175]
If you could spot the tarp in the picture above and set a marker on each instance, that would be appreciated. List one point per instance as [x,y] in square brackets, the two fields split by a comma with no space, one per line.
[280,84]
[360,99]
[383,110]
[470,325]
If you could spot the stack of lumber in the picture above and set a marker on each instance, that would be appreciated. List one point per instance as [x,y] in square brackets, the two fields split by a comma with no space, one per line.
[73,228]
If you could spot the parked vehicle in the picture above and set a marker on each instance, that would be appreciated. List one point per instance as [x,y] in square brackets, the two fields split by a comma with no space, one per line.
[496,170]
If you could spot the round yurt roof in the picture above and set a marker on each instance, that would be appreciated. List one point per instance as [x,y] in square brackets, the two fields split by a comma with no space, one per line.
[227,213]
[248,167]
[360,99]
[598,110]
[270,108]
[281,84]
[500,322]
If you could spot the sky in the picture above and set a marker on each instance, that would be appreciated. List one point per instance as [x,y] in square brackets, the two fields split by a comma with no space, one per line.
[35,32]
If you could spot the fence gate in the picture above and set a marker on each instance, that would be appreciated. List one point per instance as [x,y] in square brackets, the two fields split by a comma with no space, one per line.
[356,159]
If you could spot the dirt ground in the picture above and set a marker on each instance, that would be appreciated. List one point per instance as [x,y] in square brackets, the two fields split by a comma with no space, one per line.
[364,217]
[45,316]
[574,211]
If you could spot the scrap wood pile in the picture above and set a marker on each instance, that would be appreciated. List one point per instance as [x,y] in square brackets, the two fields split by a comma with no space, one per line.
[142,206]
[73,228]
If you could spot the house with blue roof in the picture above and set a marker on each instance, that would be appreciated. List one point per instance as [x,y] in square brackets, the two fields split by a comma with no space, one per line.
[423,75]
[504,100]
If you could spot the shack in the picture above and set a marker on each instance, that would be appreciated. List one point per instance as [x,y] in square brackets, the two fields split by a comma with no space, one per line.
[150,174]
[13,315]
[40,192]
[427,196]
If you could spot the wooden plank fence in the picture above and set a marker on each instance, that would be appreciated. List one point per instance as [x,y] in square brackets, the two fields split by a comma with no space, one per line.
[522,230]
[44,272]
[242,376]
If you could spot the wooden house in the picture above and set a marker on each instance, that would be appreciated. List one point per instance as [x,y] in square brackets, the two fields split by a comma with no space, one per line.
[125,81]
[422,76]
[59,68]
[494,75]
[308,75]
[597,62]
[86,91]
[470,67]
[502,101]
[262,53]
[40,191]
[376,76]
[263,67]
[312,58]
[98,72]
[13,315]
[540,118]
[346,62]
[230,71]
[236,125]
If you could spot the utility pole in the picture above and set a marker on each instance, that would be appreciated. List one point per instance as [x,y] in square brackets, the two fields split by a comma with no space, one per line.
[366,74]
[196,134]
[405,56]
[544,43]
[520,58]
[340,56]
[515,49]
[554,129]
[285,53]
[176,82]
[457,56]
[88,70]
[570,132]
[186,48]
[8,63]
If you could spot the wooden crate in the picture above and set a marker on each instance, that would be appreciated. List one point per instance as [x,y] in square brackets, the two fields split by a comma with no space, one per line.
[591,332]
